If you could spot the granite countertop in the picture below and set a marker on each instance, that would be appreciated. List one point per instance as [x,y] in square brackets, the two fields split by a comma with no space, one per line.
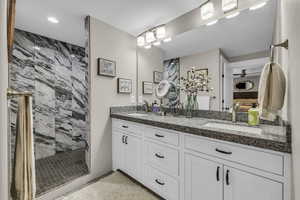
[273,137]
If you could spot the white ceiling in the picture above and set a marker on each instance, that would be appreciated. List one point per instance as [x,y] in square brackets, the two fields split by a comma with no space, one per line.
[132,16]
[251,31]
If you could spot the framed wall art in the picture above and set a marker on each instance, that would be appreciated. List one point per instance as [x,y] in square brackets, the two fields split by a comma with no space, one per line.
[106,67]
[124,86]
[147,87]
[157,77]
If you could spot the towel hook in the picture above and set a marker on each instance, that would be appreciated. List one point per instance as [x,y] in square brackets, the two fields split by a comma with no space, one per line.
[284,44]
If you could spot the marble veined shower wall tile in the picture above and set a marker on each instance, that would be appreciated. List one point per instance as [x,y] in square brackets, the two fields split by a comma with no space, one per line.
[57,73]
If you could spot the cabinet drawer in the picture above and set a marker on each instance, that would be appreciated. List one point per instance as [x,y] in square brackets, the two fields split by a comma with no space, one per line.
[128,127]
[165,136]
[257,159]
[162,184]
[164,158]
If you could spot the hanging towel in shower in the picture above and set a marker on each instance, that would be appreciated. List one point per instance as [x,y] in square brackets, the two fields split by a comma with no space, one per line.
[23,181]
[271,91]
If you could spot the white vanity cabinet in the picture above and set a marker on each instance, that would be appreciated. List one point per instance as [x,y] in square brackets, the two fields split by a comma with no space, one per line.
[127,152]
[182,166]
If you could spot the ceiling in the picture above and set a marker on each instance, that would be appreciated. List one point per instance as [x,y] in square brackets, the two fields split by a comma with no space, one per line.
[250,32]
[132,16]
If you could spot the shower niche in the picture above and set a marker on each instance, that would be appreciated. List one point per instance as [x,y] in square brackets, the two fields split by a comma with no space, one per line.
[57,74]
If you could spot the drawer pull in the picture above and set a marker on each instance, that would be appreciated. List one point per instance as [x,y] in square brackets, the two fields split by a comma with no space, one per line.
[223,152]
[159,156]
[160,136]
[227,177]
[125,126]
[218,174]
[126,139]
[123,139]
[160,183]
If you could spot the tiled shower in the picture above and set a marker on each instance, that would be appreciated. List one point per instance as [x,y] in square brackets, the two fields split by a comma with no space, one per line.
[57,74]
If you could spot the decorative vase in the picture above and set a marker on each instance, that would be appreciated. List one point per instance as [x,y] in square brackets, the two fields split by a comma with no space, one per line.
[189,106]
[195,103]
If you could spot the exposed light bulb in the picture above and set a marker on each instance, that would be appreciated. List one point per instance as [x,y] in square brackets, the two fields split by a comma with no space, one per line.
[257,6]
[232,15]
[157,43]
[141,41]
[37,48]
[169,39]
[228,5]
[207,10]
[161,32]
[150,37]
[53,20]
[148,46]
[212,23]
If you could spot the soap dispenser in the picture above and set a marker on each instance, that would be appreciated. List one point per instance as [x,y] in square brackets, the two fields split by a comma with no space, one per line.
[253,115]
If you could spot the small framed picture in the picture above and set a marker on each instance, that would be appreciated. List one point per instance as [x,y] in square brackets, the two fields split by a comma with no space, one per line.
[124,86]
[106,67]
[198,71]
[157,76]
[147,87]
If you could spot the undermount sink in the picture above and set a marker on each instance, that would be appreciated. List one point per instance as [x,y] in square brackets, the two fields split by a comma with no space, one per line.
[232,127]
[137,114]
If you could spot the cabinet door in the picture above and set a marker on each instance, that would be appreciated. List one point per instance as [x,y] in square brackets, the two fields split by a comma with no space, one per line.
[132,156]
[117,150]
[246,186]
[203,179]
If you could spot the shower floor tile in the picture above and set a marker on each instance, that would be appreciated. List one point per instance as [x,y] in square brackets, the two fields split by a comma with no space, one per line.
[59,169]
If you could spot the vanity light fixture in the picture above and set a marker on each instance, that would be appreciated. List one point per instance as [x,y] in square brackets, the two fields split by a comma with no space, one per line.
[207,10]
[150,37]
[161,32]
[228,5]
[232,15]
[212,22]
[257,6]
[148,46]
[157,43]
[141,41]
[53,20]
[169,39]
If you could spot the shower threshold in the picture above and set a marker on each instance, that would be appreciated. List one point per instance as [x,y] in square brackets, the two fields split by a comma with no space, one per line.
[57,170]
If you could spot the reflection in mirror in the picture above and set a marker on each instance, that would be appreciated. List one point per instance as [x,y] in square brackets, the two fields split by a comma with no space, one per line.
[232,52]
[50,60]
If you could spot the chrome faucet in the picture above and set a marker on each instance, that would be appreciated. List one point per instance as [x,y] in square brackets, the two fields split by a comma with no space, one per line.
[235,109]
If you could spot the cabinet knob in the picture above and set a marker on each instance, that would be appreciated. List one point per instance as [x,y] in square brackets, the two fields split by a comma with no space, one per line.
[160,136]
[159,182]
[159,156]
[227,177]
[218,174]
[223,152]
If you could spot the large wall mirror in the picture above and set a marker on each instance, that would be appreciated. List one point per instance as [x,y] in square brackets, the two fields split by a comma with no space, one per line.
[232,52]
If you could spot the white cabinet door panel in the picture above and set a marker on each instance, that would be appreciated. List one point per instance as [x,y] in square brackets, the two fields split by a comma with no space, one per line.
[132,156]
[203,179]
[240,185]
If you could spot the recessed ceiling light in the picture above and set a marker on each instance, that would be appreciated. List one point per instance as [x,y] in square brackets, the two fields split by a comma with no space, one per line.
[53,20]
[157,43]
[232,15]
[212,23]
[169,39]
[257,6]
[148,46]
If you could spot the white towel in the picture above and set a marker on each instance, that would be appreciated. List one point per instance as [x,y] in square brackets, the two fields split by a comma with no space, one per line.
[271,91]
[203,102]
